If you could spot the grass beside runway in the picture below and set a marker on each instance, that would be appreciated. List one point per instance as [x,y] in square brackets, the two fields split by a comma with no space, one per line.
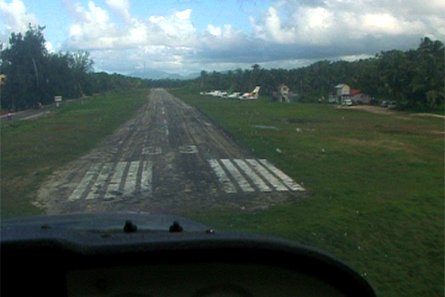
[31,150]
[375,185]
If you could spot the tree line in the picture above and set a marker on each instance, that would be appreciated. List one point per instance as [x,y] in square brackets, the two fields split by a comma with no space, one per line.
[34,75]
[413,78]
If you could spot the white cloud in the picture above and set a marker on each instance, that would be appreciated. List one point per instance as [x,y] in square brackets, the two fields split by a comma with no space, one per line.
[49,47]
[94,14]
[14,17]
[175,29]
[304,25]
[334,21]
[213,30]
[274,29]
[289,32]
[388,24]
[221,38]
[286,34]
[167,41]
[92,28]
[439,24]
[120,8]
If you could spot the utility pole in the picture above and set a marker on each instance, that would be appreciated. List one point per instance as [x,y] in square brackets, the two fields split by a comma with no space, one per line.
[2,76]
[2,82]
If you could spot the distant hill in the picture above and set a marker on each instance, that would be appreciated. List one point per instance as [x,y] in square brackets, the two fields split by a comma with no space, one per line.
[159,74]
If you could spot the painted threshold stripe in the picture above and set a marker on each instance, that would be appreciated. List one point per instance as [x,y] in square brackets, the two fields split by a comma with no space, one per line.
[100,182]
[227,185]
[252,175]
[131,180]
[147,176]
[82,186]
[267,175]
[289,182]
[113,186]
[237,176]
[151,150]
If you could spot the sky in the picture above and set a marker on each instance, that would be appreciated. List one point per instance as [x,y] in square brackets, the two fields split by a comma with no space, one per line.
[187,36]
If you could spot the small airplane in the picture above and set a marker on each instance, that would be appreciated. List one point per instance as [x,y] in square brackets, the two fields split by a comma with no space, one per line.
[239,95]
[234,95]
[215,93]
[251,95]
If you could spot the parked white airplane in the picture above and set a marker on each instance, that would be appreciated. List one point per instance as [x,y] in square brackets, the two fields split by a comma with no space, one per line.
[224,94]
[215,93]
[234,95]
[251,95]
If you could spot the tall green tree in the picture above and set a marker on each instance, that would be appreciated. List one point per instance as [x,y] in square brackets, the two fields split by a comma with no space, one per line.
[81,65]
[428,75]
[23,62]
[35,76]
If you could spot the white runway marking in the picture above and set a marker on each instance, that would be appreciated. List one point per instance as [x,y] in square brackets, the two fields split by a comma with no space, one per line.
[147,176]
[100,182]
[268,176]
[167,132]
[286,179]
[237,176]
[227,185]
[139,173]
[188,149]
[131,180]
[253,176]
[152,150]
[127,178]
[113,186]
[82,186]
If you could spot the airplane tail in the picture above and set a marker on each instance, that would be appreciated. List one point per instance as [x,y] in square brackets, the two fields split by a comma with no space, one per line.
[256,90]
[251,95]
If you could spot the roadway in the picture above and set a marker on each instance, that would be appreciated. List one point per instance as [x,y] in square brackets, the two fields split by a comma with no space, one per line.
[32,113]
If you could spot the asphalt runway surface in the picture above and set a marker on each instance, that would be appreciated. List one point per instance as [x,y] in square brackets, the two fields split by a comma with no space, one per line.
[171,159]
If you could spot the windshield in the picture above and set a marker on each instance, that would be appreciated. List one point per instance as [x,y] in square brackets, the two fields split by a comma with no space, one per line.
[317,121]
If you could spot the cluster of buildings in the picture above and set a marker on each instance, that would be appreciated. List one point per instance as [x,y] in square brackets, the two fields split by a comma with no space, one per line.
[345,95]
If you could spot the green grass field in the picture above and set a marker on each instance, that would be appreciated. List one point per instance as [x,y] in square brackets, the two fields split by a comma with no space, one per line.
[31,150]
[375,186]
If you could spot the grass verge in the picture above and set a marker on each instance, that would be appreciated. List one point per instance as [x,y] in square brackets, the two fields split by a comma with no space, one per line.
[31,150]
[375,183]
